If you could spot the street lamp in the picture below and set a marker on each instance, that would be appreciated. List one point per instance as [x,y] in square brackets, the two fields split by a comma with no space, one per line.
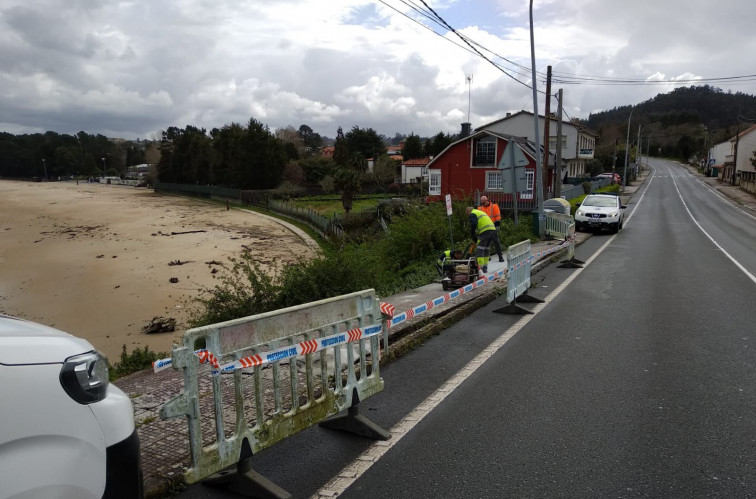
[103,169]
[44,167]
[627,150]
[539,171]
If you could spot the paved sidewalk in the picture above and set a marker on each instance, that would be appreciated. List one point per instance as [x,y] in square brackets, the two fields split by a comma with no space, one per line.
[165,444]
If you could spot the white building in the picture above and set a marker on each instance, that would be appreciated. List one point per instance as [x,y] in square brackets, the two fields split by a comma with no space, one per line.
[578,142]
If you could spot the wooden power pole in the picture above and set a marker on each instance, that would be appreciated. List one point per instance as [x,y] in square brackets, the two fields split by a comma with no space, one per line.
[547,121]
[558,152]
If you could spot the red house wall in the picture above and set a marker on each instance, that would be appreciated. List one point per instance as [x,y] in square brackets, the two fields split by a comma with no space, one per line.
[458,178]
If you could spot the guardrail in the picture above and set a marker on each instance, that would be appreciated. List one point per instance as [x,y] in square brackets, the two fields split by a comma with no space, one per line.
[297,354]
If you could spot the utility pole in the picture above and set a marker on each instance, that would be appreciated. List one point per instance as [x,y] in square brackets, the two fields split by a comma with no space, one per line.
[735,154]
[558,152]
[627,150]
[546,130]
[637,163]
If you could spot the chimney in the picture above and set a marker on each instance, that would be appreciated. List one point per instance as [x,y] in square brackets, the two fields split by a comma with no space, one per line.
[465,130]
[508,115]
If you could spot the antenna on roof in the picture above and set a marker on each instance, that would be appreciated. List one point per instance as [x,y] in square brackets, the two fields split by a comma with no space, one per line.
[469,83]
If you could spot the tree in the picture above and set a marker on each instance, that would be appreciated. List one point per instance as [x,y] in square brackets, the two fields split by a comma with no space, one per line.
[294,145]
[317,167]
[347,180]
[413,147]
[439,142]
[384,169]
[365,141]
[311,140]
[341,153]
[267,158]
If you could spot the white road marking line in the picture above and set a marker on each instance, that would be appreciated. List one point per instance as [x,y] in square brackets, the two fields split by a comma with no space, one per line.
[732,259]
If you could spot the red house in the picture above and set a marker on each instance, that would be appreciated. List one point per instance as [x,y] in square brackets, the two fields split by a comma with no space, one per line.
[468,168]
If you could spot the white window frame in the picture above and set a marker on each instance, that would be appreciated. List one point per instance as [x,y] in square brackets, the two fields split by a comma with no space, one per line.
[494,180]
[488,139]
[529,184]
[434,182]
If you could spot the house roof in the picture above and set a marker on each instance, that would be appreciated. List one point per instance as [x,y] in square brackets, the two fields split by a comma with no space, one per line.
[527,146]
[580,127]
[744,132]
[416,162]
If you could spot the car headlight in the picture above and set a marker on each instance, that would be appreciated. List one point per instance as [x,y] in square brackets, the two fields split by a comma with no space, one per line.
[613,214]
[85,377]
[580,213]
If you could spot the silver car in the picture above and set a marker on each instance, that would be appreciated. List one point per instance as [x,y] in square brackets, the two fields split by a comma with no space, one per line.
[600,211]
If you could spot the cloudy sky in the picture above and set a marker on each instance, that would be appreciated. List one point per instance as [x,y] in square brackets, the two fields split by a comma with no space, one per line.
[131,69]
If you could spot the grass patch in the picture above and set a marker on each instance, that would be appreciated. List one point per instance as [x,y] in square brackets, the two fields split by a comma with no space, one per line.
[138,360]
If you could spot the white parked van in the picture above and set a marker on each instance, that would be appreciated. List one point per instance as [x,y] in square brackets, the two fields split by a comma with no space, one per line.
[65,431]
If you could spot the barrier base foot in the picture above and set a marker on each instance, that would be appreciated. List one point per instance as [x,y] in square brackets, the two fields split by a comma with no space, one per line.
[514,308]
[526,298]
[572,263]
[354,422]
[246,482]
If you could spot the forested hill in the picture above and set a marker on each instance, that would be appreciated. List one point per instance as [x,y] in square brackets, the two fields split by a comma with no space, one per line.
[705,105]
[678,124]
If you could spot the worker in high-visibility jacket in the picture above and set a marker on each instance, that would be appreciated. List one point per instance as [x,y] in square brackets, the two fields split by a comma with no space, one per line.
[492,210]
[443,265]
[482,227]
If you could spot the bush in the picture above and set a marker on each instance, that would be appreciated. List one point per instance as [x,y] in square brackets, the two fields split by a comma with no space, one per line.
[138,360]
[244,290]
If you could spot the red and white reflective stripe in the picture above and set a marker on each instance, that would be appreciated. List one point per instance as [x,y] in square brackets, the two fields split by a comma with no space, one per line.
[301,349]
[387,309]
[204,357]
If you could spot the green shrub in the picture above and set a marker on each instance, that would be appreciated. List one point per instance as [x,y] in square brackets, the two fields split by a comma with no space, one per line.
[244,290]
[138,360]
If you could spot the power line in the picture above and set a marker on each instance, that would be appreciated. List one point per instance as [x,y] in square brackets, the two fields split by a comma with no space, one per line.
[557,77]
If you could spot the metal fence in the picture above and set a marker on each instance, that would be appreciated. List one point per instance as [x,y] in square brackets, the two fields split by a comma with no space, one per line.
[324,225]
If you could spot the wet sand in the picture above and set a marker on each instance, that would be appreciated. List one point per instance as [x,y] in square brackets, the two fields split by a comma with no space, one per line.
[96,260]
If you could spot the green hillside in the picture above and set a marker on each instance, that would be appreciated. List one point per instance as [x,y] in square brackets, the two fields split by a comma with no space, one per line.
[679,124]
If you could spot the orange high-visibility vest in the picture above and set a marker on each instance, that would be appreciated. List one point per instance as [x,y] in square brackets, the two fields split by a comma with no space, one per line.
[492,210]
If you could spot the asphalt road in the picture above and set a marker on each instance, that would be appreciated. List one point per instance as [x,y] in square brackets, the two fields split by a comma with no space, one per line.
[634,378]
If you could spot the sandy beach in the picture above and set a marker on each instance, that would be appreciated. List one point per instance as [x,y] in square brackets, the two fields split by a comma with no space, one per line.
[97,260]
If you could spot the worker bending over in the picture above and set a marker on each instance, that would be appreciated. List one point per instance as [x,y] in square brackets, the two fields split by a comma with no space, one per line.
[493,212]
[484,229]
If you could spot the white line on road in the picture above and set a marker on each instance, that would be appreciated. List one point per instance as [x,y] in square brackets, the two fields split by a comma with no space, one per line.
[732,259]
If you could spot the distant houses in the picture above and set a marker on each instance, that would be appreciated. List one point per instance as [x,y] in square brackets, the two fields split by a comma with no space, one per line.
[730,160]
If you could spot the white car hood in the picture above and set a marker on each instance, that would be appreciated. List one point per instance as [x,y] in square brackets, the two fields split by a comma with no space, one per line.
[598,209]
[23,342]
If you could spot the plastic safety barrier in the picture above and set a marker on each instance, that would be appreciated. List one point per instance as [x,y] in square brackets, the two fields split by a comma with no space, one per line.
[558,224]
[295,356]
